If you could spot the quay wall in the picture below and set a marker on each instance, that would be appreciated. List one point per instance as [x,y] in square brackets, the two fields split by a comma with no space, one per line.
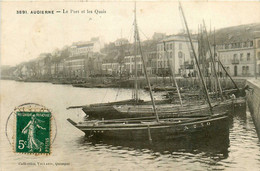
[108,82]
[183,82]
[253,102]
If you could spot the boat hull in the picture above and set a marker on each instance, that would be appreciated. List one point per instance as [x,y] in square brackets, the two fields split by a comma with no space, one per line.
[171,109]
[157,131]
[107,111]
[234,107]
[99,112]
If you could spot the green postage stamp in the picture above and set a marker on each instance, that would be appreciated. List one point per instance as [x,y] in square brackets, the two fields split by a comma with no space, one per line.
[33,131]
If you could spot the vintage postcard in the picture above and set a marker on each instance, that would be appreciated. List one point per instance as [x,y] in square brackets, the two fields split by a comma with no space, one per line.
[130,85]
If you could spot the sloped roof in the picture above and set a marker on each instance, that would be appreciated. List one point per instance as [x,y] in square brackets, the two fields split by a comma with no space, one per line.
[83,44]
[241,33]
[176,38]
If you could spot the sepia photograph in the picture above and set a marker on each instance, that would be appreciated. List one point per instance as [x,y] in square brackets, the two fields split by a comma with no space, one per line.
[129,85]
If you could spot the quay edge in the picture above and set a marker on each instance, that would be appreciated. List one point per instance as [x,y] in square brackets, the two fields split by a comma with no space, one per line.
[253,102]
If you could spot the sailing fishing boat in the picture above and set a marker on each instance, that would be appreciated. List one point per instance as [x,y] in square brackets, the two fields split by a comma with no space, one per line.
[166,110]
[138,108]
[141,129]
[154,128]
[99,110]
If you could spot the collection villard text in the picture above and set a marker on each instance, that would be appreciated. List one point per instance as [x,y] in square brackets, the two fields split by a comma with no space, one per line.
[63,11]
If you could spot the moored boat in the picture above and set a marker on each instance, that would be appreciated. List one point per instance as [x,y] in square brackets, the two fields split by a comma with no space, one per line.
[129,109]
[171,109]
[161,88]
[138,129]
[155,127]
[107,110]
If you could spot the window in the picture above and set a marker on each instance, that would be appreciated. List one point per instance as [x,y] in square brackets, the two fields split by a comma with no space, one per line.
[228,70]
[243,70]
[235,57]
[251,43]
[247,70]
[180,54]
[258,43]
[180,61]
[248,56]
[226,46]
[258,55]
[170,55]
[241,56]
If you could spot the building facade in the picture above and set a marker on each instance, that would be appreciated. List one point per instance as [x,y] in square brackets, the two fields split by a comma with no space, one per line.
[177,49]
[76,67]
[238,48]
[111,68]
[57,68]
[83,48]
[257,52]
[84,59]
[43,65]
[122,41]
[129,65]
[238,58]
[151,61]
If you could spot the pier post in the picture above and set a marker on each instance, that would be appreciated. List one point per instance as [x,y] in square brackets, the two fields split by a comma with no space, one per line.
[149,135]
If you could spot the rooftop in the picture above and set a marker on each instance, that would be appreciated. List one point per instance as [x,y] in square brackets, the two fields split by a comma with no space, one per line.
[176,38]
[241,33]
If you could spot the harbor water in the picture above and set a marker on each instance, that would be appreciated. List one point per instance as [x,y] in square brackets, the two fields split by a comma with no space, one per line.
[71,150]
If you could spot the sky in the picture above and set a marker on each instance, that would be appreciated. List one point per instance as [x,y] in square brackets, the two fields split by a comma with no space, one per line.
[25,36]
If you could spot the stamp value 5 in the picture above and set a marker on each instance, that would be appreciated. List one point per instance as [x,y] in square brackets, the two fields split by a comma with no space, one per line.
[33,132]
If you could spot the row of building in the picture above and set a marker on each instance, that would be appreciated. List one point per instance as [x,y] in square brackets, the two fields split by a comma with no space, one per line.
[172,51]
[238,48]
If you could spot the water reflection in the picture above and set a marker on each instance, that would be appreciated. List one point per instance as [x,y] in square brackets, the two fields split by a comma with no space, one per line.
[215,147]
[237,150]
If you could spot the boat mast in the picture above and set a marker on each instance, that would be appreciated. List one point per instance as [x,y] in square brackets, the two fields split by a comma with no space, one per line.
[196,59]
[121,53]
[228,74]
[172,73]
[135,50]
[213,62]
[200,55]
[144,67]
[215,53]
